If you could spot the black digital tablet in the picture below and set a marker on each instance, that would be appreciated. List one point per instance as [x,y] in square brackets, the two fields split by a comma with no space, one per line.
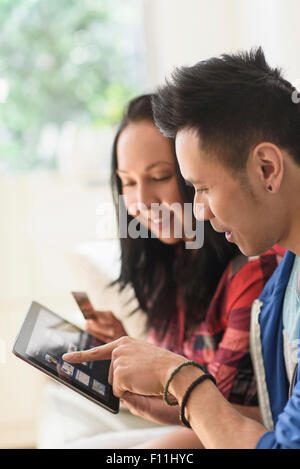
[43,339]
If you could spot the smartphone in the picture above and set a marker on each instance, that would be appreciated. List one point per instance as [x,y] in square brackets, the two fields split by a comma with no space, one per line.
[84,304]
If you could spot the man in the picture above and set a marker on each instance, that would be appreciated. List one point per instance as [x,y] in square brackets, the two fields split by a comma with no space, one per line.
[237,133]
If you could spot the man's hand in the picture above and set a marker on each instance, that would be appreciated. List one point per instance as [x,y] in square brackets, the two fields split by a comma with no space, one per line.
[136,366]
[151,408]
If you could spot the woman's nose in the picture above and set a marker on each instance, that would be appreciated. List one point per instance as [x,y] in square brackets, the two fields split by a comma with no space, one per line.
[146,197]
[140,202]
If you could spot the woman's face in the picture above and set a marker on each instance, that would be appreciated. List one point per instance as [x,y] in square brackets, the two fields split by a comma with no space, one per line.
[146,168]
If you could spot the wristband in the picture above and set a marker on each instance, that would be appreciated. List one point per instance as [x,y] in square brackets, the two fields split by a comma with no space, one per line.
[188,393]
[165,395]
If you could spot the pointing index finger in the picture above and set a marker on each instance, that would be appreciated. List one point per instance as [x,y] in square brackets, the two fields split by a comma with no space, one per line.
[103,352]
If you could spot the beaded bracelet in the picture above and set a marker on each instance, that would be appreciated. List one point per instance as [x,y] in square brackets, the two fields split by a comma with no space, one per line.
[172,376]
[188,393]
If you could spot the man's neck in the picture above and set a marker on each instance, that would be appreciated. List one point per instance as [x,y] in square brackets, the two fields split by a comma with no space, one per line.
[293,242]
[292,203]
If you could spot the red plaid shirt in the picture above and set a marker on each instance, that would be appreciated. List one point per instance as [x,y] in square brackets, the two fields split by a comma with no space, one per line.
[221,341]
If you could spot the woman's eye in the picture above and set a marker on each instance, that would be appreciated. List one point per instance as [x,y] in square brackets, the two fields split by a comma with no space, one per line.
[201,191]
[163,178]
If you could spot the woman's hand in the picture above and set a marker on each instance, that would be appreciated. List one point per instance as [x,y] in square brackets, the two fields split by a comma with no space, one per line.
[106,327]
[151,408]
[136,366]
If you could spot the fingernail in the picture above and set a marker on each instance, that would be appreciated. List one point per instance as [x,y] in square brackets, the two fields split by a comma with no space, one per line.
[67,356]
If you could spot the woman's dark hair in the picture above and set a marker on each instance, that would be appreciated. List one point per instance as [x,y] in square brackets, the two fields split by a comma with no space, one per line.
[155,270]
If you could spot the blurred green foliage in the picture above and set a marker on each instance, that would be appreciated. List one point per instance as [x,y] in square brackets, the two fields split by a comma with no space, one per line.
[63,60]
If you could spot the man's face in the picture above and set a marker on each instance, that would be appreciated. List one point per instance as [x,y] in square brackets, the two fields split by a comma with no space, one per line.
[237,206]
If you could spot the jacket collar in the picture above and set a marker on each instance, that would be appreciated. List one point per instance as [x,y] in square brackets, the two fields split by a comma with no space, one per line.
[270,320]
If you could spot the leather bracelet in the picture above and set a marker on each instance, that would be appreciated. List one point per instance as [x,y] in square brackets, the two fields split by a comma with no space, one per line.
[188,393]
[165,395]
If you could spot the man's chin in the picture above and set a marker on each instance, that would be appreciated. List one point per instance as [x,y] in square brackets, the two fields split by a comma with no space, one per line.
[251,251]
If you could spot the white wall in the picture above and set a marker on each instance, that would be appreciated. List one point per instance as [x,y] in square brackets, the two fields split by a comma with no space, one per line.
[44,219]
[183,32]
[274,24]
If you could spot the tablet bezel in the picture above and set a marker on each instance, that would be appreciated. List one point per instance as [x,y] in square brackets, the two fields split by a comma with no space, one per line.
[20,347]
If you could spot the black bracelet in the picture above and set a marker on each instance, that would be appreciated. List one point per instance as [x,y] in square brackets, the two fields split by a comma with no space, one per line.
[188,363]
[187,395]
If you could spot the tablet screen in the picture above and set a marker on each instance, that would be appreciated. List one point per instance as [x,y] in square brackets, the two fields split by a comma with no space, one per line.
[48,338]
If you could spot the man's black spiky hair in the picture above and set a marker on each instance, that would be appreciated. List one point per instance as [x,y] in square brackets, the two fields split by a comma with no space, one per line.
[233,102]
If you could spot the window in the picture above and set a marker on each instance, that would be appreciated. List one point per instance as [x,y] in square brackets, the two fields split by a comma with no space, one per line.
[66,66]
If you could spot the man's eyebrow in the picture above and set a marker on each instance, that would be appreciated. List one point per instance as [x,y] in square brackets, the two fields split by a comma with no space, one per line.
[152,165]
[193,182]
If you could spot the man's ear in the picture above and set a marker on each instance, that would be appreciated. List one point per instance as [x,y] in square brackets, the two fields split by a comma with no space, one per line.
[267,161]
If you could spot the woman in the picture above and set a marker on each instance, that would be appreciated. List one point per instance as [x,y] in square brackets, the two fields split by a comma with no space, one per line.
[197,301]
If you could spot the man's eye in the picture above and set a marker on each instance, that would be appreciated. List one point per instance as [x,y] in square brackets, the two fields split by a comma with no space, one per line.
[201,191]
[127,184]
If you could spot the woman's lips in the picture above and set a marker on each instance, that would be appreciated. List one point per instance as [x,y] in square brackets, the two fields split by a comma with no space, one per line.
[156,221]
[162,222]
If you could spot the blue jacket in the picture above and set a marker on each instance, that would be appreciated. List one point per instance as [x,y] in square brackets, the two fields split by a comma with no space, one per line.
[280,413]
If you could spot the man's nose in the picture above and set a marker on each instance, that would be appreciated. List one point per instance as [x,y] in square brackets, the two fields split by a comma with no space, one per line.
[202,211]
